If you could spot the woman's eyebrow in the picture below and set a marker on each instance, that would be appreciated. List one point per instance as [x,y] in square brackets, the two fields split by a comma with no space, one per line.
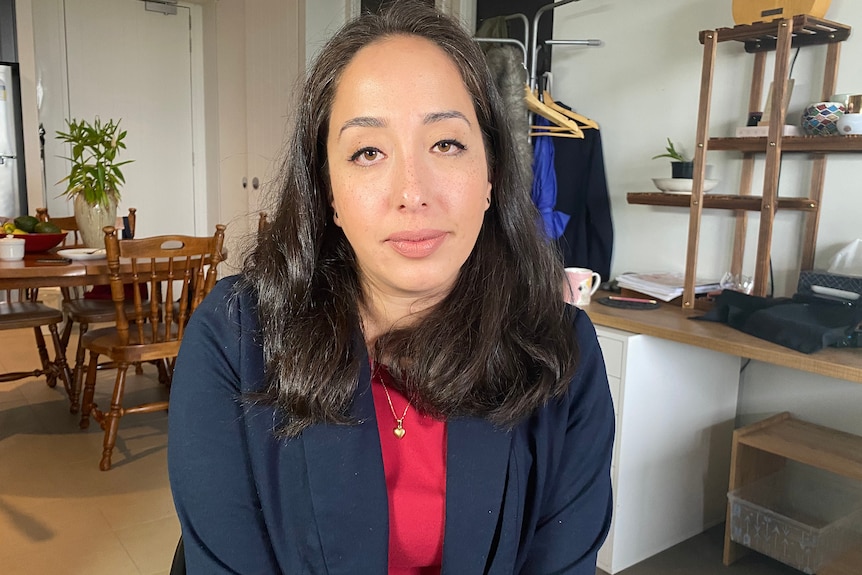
[446,115]
[374,122]
[362,122]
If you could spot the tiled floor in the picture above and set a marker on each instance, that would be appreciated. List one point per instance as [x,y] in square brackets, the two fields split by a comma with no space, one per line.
[60,515]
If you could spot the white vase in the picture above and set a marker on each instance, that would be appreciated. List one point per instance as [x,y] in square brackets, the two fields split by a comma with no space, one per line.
[91,219]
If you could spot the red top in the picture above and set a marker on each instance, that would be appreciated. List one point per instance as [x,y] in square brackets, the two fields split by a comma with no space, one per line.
[415,468]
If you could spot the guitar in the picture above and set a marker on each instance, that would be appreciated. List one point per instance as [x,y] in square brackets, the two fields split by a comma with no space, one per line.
[751,11]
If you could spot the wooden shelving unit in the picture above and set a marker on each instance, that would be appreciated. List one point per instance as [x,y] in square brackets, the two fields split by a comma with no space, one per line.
[718,201]
[759,38]
[764,447]
[809,144]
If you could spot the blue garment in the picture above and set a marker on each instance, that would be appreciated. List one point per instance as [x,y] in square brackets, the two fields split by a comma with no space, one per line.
[544,192]
[533,499]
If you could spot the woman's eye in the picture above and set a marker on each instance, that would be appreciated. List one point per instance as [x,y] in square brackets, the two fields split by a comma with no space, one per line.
[365,155]
[449,146]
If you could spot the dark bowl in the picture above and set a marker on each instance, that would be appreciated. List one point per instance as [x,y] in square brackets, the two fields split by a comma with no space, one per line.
[41,242]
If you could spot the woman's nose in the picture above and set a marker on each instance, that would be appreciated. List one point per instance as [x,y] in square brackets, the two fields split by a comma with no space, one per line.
[410,186]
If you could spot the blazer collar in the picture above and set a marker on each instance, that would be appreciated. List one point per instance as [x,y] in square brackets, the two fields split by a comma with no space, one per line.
[348,489]
[477,456]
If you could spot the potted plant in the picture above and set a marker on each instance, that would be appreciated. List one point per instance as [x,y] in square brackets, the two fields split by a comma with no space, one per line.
[681,166]
[95,177]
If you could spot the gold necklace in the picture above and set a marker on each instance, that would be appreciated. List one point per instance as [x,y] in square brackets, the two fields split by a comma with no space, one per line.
[399,430]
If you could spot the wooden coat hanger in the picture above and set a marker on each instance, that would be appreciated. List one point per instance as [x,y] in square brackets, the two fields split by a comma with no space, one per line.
[563,126]
[550,101]
[581,119]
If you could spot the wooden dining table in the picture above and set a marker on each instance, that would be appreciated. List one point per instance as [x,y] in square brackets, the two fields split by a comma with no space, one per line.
[49,269]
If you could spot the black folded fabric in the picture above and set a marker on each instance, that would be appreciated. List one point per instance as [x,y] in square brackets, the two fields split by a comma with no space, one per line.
[804,323]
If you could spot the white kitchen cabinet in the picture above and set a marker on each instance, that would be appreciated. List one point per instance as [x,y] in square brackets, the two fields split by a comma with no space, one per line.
[675,408]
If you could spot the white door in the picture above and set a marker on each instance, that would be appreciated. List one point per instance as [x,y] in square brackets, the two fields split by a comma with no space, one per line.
[130,64]
[275,46]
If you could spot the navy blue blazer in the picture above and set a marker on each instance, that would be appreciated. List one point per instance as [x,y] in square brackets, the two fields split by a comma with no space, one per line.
[533,499]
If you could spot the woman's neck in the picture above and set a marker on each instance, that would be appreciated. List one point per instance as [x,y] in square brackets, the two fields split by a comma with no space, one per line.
[381,315]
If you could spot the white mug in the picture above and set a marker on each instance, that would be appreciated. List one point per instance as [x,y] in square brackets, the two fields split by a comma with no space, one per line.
[582,284]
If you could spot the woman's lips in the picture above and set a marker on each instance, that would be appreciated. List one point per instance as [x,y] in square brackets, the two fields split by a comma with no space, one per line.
[416,244]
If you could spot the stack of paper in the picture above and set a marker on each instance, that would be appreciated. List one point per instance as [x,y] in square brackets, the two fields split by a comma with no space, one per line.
[663,285]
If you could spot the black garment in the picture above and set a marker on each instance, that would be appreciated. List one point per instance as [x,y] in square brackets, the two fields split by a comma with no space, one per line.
[803,323]
[582,192]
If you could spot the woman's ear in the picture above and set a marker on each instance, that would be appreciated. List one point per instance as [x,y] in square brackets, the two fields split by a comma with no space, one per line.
[488,197]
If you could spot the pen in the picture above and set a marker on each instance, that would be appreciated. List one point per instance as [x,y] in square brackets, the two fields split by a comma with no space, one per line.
[631,299]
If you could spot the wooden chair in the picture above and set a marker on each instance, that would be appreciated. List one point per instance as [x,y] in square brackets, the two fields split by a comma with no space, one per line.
[80,309]
[19,309]
[69,224]
[151,332]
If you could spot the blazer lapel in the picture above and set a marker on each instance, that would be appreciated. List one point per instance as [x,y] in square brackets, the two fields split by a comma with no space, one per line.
[348,488]
[477,456]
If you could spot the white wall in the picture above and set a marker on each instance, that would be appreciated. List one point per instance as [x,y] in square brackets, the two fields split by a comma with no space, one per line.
[322,20]
[643,87]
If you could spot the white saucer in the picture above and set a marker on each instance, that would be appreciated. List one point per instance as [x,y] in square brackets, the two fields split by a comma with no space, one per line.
[681,185]
[82,254]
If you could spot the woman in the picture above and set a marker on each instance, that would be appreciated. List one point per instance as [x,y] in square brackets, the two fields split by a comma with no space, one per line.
[394,383]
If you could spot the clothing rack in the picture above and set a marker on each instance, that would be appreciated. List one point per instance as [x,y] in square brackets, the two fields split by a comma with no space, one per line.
[518,43]
[512,41]
[534,47]
[531,48]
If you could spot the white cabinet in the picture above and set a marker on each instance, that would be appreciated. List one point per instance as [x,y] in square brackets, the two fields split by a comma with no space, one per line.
[675,410]
[258,49]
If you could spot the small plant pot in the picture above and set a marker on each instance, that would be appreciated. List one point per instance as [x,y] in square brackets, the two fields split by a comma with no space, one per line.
[682,169]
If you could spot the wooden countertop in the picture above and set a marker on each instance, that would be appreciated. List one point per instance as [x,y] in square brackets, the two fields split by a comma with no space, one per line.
[672,322]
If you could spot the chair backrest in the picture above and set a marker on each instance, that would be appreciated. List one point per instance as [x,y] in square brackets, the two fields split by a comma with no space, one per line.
[70,224]
[178,272]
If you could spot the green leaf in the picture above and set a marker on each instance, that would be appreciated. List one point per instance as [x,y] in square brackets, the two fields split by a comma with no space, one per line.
[93,171]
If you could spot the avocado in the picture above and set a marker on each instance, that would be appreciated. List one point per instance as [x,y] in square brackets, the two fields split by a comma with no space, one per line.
[46,228]
[26,223]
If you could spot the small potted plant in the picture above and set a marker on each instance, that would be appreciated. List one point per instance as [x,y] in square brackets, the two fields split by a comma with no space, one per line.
[95,177]
[681,166]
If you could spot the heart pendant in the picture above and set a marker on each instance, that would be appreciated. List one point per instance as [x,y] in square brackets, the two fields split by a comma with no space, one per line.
[399,432]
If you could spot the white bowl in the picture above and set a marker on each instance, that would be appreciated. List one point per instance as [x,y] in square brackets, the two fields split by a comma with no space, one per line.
[850,124]
[681,185]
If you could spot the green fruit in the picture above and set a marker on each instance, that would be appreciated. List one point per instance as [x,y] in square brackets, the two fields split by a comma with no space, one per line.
[26,223]
[46,228]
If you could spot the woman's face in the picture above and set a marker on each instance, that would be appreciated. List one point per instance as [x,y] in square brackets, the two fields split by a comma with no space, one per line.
[408,170]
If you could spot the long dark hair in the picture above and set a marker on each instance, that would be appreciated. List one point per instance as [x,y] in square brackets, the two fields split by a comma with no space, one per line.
[498,346]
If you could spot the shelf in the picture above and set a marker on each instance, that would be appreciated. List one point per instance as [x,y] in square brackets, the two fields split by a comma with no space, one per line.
[807,443]
[763,448]
[719,201]
[762,36]
[810,144]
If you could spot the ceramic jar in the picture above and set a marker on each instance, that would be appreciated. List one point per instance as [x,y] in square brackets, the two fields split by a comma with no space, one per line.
[821,119]
[11,248]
